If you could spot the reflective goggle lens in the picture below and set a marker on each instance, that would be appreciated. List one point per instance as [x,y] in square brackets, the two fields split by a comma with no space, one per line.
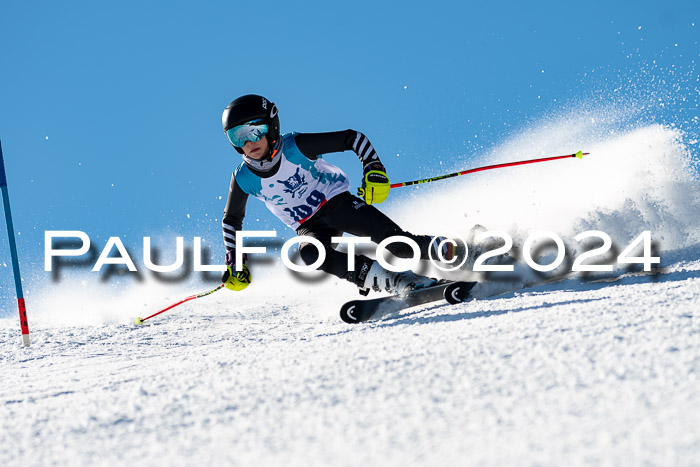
[252,131]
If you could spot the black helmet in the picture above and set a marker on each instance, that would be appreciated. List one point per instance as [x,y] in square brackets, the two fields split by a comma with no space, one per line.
[250,107]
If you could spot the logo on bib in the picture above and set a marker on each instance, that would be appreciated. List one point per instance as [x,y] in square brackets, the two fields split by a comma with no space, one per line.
[296,185]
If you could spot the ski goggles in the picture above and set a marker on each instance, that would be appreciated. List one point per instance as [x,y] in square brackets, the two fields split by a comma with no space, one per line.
[251,131]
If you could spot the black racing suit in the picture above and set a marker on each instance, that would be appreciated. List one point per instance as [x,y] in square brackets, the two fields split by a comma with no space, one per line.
[344,213]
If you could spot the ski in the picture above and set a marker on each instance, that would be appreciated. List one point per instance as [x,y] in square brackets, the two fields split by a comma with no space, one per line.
[357,311]
[458,292]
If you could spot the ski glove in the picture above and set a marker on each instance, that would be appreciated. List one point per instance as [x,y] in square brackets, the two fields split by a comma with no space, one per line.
[375,184]
[232,279]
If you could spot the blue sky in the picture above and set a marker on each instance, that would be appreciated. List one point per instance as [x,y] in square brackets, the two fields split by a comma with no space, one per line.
[110,111]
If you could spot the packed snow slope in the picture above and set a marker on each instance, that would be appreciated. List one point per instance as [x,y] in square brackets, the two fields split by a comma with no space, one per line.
[543,369]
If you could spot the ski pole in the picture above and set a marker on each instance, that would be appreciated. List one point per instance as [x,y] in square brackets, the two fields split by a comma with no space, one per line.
[578,155]
[140,320]
[24,325]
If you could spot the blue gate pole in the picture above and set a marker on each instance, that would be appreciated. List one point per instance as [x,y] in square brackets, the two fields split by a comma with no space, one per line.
[24,324]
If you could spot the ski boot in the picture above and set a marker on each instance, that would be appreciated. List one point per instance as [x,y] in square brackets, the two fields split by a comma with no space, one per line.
[370,275]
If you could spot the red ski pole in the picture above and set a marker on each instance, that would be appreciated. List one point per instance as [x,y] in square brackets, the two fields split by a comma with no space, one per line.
[578,155]
[140,320]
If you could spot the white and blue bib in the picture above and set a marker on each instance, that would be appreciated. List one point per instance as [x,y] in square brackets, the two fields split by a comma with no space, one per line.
[300,186]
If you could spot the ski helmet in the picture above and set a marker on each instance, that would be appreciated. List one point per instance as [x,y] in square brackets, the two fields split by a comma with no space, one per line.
[251,107]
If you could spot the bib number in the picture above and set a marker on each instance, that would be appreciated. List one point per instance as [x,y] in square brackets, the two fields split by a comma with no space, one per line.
[302,211]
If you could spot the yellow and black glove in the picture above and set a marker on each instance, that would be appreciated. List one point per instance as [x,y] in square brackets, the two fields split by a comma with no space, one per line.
[235,280]
[375,184]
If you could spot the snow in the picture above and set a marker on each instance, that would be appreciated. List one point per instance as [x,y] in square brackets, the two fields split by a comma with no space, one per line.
[592,373]
[597,369]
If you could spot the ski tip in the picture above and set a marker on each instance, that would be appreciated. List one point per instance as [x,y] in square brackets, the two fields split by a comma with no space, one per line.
[138,321]
[347,313]
[458,292]
[579,154]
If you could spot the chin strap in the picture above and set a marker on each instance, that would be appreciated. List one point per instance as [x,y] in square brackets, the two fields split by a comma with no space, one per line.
[271,152]
[275,149]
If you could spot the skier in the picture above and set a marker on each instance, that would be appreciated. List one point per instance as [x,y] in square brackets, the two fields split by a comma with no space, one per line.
[312,197]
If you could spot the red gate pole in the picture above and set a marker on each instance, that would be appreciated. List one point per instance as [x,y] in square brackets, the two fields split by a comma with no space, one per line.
[13,252]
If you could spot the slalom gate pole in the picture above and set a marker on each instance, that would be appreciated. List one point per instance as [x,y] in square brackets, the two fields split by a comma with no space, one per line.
[191,297]
[24,324]
[578,155]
